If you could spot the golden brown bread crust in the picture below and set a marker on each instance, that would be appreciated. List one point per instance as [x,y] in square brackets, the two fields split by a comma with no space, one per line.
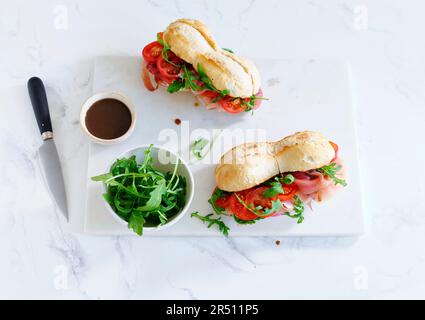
[192,41]
[251,164]
[201,28]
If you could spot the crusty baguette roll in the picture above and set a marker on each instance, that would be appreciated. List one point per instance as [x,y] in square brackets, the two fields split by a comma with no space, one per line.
[251,164]
[191,41]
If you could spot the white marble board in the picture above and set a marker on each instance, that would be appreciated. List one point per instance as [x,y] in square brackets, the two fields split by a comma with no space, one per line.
[304,94]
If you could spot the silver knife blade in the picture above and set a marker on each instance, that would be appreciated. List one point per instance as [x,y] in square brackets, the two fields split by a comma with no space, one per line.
[52,174]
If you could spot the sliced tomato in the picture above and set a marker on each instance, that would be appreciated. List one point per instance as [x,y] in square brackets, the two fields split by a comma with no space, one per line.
[238,209]
[255,198]
[289,192]
[223,202]
[152,51]
[168,71]
[335,146]
[210,96]
[252,198]
[232,105]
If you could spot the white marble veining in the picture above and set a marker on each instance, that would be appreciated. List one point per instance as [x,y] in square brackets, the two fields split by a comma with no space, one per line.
[41,259]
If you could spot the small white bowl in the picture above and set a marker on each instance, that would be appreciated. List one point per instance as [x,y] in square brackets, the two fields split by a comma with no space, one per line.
[108,95]
[163,160]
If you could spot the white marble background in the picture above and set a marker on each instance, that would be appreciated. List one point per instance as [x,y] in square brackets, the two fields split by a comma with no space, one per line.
[386,49]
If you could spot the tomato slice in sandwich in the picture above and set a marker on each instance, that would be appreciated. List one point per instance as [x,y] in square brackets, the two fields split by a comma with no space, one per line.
[238,209]
[232,105]
[289,192]
[210,96]
[223,202]
[254,198]
[152,51]
[169,71]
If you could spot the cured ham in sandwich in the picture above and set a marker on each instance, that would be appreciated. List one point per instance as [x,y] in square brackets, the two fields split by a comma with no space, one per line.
[261,180]
[186,57]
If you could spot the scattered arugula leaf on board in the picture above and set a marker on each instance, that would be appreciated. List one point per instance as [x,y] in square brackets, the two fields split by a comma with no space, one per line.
[142,195]
[212,221]
[198,148]
[330,171]
[217,194]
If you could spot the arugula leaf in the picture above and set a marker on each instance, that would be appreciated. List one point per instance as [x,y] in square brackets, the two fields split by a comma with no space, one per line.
[217,194]
[136,223]
[175,86]
[298,205]
[103,177]
[155,198]
[275,189]
[208,83]
[240,221]
[140,194]
[298,209]
[165,51]
[276,207]
[288,179]
[330,171]
[202,74]
[190,79]
[228,50]
[260,211]
[250,102]
[198,146]
[212,221]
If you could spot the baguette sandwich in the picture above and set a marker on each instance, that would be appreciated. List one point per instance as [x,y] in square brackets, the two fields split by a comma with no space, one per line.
[261,180]
[186,57]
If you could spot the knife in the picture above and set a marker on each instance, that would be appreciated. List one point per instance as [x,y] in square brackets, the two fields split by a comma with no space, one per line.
[49,158]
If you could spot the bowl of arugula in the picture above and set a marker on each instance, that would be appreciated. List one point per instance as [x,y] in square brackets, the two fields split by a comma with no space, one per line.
[147,188]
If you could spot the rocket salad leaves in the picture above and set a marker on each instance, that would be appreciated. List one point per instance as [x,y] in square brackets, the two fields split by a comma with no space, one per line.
[331,171]
[142,195]
[212,221]
[198,148]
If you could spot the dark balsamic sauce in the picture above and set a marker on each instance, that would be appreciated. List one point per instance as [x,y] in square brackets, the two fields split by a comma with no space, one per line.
[108,119]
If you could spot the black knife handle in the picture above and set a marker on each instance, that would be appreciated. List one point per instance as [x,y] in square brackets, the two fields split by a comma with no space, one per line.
[39,104]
